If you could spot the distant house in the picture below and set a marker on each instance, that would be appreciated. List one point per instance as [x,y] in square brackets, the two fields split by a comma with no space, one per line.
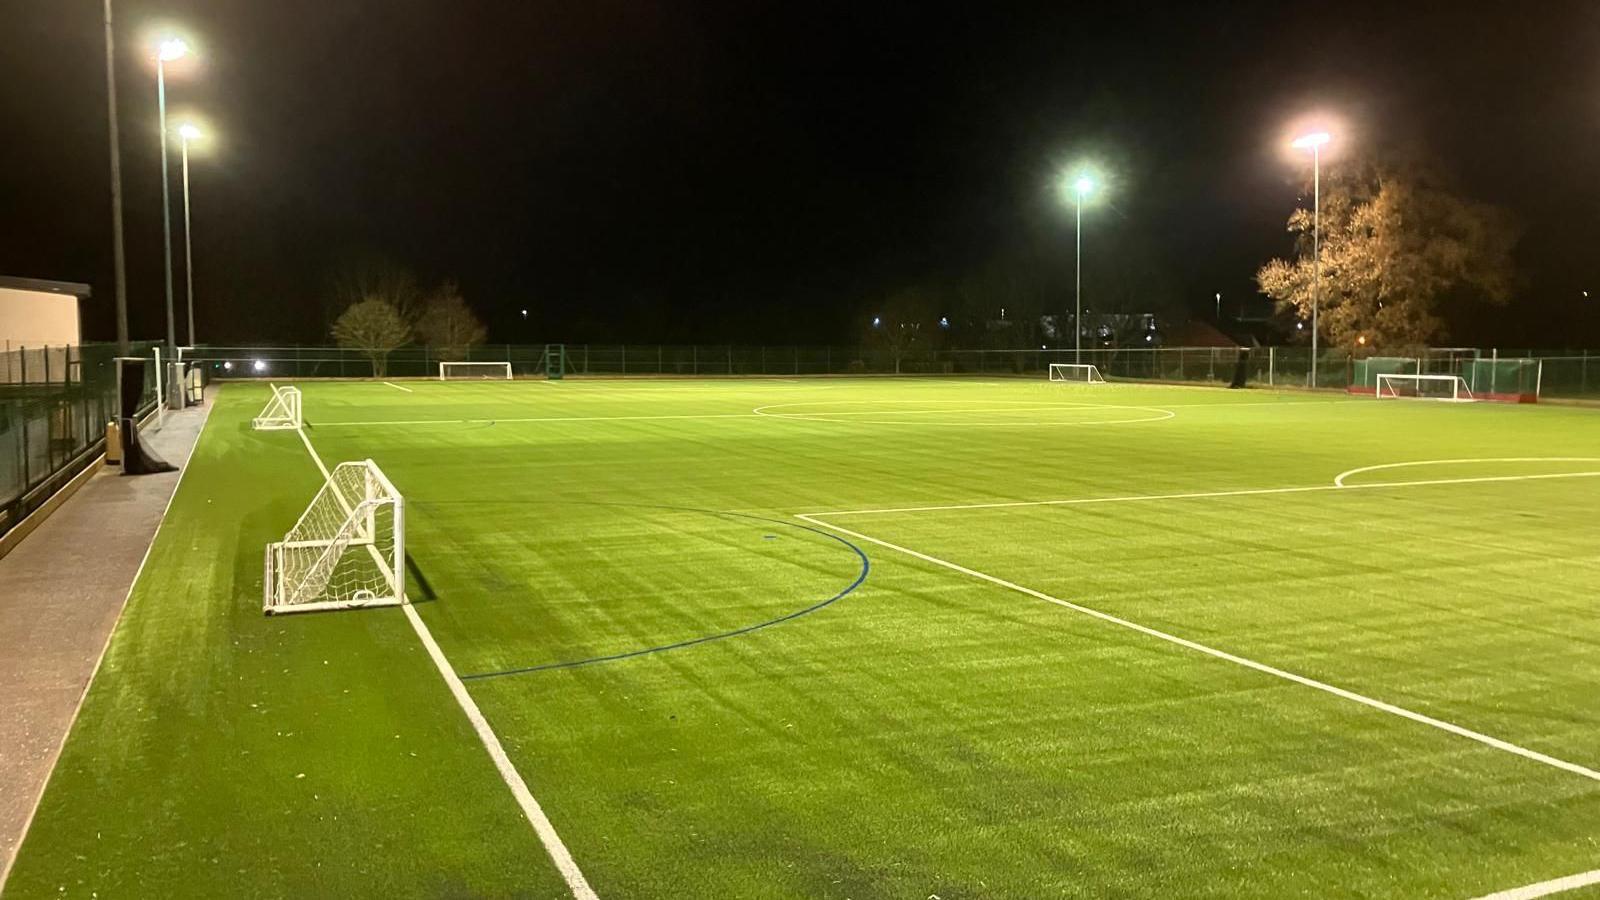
[1198,333]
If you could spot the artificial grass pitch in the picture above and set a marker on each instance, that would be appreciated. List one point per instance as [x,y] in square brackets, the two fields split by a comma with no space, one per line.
[712,697]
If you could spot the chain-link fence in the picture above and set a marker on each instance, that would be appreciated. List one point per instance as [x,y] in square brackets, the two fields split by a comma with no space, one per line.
[1574,374]
[54,406]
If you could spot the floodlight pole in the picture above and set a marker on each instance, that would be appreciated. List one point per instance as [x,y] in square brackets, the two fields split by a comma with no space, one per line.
[188,229]
[1077,316]
[1316,250]
[166,204]
[120,268]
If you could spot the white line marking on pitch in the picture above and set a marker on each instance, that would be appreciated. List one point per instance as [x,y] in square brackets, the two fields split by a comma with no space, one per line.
[398,387]
[1390,708]
[5,871]
[1339,480]
[553,845]
[1201,495]
[1546,888]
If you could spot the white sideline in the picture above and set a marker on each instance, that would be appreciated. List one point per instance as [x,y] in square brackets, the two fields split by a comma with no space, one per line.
[398,387]
[1390,708]
[27,824]
[553,845]
[1200,495]
[1546,888]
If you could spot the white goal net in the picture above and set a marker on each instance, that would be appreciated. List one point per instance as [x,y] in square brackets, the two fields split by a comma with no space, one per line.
[477,371]
[282,412]
[347,550]
[1081,373]
[1392,386]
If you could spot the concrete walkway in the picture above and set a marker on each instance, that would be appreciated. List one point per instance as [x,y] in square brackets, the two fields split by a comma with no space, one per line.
[61,591]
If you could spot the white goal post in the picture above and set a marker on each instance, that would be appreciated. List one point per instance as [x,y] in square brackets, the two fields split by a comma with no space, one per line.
[282,412]
[1423,387]
[346,551]
[478,370]
[1080,373]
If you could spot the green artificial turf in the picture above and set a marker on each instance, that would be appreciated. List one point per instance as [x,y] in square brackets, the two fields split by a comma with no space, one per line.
[808,733]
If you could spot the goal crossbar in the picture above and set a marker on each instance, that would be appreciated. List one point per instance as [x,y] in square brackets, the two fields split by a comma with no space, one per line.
[479,370]
[282,412]
[1080,373]
[1449,388]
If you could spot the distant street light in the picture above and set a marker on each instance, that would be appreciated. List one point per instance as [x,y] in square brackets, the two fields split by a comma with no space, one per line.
[169,49]
[1314,142]
[1219,308]
[1082,186]
[187,132]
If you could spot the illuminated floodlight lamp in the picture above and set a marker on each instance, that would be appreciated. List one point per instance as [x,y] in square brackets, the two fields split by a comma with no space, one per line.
[1308,141]
[172,48]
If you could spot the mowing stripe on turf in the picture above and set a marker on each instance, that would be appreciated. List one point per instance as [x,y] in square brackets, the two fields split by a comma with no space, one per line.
[1202,495]
[1390,708]
[553,845]
[1546,888]
[513,421]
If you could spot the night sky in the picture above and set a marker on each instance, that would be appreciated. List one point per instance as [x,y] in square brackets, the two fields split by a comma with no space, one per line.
[757,172]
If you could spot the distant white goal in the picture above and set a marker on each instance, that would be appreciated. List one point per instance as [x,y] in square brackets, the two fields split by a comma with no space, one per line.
[1079,373]
[477,371]
[282,412]
[346,551]
[1451,388]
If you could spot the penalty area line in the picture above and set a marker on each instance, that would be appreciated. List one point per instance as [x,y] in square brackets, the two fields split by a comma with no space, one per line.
[546,831]
[1337,486]
[1546,888]
[1224,655]
[399,388]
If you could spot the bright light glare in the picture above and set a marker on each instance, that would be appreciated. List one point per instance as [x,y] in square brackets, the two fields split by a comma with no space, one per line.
[876,321]
[171,49]
[259,365]
[1314,139]
[228,366]
[1083,185]
[189,131]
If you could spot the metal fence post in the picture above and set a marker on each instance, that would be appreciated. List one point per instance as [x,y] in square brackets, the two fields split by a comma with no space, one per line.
[624,359]
[694,358]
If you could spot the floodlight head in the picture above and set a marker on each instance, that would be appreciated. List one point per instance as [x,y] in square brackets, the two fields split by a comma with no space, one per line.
[189,131]
[1310,141]
[1083,186]
[171,48]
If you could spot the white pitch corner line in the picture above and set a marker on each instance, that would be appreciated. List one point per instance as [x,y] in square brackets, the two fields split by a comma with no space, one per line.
[1546,888]
[553,845]
[399,388]
[1352,696]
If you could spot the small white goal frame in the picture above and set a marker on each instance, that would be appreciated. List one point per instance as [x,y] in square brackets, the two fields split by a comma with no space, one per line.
[282,412]
[357,511]
[1076,373]
[1459,391]
[501,370]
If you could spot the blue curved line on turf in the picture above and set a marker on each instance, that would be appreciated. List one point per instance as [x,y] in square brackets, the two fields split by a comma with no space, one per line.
[866,569]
